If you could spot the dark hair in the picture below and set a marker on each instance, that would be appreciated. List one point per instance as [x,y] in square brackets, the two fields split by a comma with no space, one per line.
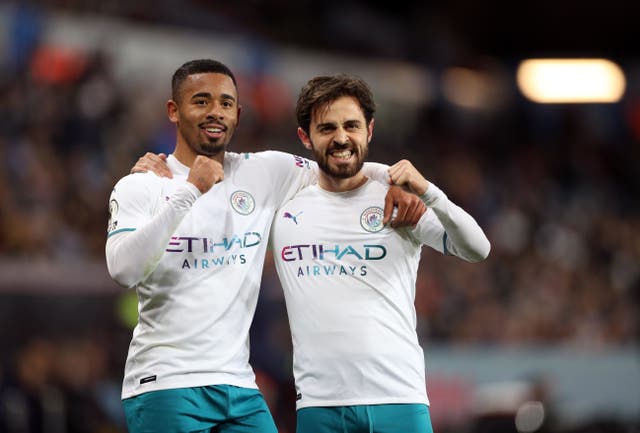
[320,91]
[200,66]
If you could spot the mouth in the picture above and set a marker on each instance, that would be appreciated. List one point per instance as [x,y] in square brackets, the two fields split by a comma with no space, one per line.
[342,154]
[213,131]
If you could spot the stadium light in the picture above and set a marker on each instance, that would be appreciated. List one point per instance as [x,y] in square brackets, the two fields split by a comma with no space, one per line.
[571,80]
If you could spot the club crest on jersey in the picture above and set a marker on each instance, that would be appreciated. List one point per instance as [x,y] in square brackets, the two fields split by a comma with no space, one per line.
[242,202]
[371,219]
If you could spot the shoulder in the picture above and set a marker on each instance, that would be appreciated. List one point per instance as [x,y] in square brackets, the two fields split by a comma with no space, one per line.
[310,192]
[138,184]
[139,179]
[279,158]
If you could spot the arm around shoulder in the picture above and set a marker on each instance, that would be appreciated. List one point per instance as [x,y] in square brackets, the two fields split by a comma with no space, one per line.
[288,173]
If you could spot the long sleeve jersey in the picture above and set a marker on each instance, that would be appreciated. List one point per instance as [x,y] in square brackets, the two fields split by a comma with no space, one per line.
[349,285]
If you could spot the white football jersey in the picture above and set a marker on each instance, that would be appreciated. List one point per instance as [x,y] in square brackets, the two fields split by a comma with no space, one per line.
[349,284]
[196,264]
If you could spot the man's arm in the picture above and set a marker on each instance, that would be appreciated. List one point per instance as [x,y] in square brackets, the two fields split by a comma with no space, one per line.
[460,233]
[401,208]
[137,240]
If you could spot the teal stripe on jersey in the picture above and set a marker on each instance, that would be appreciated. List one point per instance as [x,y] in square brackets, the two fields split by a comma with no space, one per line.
[120,230]
[444,244]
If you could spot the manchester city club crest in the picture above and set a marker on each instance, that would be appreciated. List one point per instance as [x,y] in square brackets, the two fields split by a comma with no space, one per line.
[242,202]
[371,219]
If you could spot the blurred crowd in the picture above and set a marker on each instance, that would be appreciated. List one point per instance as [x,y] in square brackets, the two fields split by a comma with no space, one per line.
[556,192]
[555,188]
[558,201]
[60,385]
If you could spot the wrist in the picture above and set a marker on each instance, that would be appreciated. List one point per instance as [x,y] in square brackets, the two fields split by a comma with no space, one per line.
[421,187]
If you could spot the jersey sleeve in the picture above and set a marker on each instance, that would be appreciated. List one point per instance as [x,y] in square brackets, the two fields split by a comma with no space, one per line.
[449,229]
[138,233]
[291,173]
[288,173]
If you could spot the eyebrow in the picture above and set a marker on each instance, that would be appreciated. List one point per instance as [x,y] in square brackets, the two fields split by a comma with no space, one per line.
[325,124]
[350,122]
[208,95]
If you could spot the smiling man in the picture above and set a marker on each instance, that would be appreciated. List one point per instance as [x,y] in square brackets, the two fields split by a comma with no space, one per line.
[349,280]
[193,246]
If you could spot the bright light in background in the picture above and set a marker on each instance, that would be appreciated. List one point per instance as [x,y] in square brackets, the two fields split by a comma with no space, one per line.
[571,80]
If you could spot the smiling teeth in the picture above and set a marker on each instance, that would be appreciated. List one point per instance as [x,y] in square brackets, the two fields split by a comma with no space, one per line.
[213,130]
[342,154]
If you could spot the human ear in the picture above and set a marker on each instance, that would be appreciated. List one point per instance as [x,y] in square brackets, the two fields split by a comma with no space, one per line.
[172,111]
[304,138]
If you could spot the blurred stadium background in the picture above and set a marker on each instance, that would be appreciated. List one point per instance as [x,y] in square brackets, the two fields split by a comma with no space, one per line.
[542,337]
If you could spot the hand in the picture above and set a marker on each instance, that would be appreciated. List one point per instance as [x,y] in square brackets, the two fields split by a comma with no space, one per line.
[205,172]
[404,173]
[409,208]
[152,162]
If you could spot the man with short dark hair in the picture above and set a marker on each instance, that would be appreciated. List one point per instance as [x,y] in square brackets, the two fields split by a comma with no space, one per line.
[349,280]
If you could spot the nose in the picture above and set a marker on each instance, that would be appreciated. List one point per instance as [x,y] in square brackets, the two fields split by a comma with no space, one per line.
[341,137]
[216,111]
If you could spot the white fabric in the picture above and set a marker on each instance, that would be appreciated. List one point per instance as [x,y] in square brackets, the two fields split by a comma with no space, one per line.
[465,238]
[196,265]
[350,292]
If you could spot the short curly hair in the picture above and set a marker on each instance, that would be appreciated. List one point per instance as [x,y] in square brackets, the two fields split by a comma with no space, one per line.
[322,90]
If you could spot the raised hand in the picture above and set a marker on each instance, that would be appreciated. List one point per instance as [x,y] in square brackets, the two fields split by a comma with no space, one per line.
[205,172]
[404,173]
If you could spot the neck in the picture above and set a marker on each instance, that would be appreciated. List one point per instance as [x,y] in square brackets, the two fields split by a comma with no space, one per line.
[334,184]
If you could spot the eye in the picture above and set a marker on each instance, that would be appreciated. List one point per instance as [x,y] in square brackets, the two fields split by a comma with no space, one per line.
[325,129]
[201,102]
[227,104]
